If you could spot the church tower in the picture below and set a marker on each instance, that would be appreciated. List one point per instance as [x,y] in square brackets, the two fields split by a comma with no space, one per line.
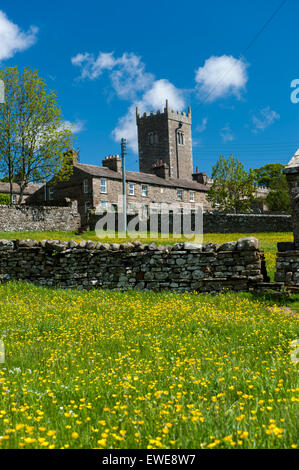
[165,137]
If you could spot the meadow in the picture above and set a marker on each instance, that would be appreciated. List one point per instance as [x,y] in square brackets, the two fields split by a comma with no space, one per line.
[100,369]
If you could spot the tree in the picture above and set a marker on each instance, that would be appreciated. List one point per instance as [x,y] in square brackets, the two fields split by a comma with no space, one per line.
[272,176]
[233,187]
[33,138]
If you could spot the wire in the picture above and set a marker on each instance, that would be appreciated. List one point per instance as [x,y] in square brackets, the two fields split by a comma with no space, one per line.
[257,35]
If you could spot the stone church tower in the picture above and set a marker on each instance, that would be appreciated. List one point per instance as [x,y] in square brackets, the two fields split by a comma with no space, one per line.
[165,138]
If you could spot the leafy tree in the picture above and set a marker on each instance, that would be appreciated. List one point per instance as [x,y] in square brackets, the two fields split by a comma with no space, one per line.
[272,176]
[268,174]
[33,138]
[233,187]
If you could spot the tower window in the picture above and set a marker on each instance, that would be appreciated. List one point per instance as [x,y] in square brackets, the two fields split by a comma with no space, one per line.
[180,138]
[153,138]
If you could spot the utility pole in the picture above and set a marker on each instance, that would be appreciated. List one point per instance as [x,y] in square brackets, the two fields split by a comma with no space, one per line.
[123,154]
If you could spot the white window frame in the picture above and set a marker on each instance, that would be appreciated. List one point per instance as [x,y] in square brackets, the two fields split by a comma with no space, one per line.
[85,186]
[179,191]
[131,189]
[144,190]
[103,183]
[14,199]
[103,205]
[192,196]
[145,211]
[131,207]
[51,193]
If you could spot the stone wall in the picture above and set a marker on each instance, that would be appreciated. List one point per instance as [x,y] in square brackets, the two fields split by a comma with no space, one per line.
[182,267]
[39,218]
[246,223]
[287,264]
[222,223]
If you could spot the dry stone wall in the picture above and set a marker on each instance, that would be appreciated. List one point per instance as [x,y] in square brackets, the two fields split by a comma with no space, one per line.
[287,264]
[181,267]
[39,218]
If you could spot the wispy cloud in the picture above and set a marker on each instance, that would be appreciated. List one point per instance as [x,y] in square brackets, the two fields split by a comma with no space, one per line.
[130,81]
[264,119]
[12,39]
[75,127]
[220,77]
[226,133]
[202,126]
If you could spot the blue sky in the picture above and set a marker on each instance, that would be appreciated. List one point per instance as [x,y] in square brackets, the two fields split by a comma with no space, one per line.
[103,58]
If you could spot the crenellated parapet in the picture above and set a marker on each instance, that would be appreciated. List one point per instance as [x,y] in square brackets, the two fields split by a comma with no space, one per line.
[175,115]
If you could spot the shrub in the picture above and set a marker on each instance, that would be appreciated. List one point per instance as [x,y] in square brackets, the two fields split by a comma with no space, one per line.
[4,199]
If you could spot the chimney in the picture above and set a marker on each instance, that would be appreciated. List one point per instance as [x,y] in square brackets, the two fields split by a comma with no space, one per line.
[161,169]
[113,162]
[200,177]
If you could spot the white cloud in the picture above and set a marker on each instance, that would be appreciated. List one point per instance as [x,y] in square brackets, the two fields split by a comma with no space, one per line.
[153,99]
[130,81]
[75,127]
[265,118]
[221,76]
[12,39]
[202,126]
[226,133]
[127,73]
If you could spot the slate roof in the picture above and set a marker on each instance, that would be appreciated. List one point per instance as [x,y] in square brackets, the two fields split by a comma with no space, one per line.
[30,189]
[138,177]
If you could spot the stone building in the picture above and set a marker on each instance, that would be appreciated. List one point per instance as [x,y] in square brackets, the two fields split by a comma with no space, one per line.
[30,189]
[165,176]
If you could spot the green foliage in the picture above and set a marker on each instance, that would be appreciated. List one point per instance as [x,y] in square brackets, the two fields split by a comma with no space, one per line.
[233,187]
[272,176]
[5,199]
[268,174]
[33,138]
[278,200]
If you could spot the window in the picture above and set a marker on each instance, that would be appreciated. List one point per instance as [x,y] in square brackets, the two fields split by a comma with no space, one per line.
[145,211]
[180,137]
[85,186]
[86,206]
[153,138]
[104,205]
[51,194]
[131,208]
[144,190]
[191,196]
[179,194]
[14,199]
[131,189]
[104,186]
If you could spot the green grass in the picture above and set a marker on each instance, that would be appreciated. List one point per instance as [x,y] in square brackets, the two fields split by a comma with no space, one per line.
[103,369]
[268,240]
